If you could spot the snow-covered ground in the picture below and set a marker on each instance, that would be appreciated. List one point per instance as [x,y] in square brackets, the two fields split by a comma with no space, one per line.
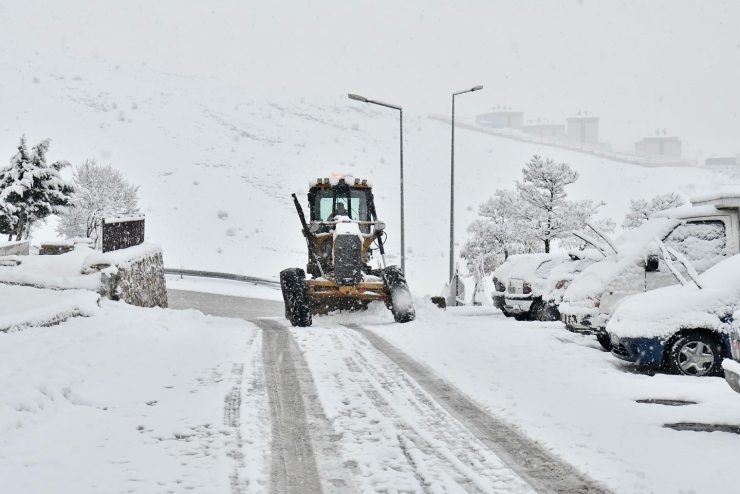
[578,401]
[133,400]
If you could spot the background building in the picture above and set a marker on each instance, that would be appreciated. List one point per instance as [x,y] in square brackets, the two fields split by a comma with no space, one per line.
[501,119]
[583,129]
[727,165]
[659,147]
[547,130]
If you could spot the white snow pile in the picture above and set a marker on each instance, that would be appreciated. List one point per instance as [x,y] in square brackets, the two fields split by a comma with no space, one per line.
[664,311]
[121,257]
[22,306]
[62,271]
[619,272]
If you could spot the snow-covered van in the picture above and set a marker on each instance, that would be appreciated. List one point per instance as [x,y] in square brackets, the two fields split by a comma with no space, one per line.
[535,285]
[704,233]
[683,329]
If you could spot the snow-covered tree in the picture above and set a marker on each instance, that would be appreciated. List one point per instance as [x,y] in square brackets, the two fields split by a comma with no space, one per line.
[550,214]
[641,210]
[101,192]
[30,189]
[499,233]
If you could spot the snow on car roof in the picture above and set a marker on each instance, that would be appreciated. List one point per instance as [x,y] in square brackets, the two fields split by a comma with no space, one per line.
[664,311]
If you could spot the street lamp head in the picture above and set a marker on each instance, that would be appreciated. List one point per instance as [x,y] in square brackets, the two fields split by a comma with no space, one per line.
[357,97]
[477,88]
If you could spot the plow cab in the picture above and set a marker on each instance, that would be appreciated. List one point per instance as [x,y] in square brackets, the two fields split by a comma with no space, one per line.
[342,237]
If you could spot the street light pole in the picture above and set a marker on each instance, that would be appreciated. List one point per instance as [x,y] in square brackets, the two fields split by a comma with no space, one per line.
[452,184]
[357,97]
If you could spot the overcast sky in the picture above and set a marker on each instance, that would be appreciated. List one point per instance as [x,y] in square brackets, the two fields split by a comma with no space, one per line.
[638,65]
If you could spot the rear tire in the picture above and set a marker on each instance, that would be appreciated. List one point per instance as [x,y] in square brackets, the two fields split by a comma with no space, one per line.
[399,301]
[293,285]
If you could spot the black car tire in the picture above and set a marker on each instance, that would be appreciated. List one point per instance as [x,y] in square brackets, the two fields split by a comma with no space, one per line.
[293,285]
[603,338]
[399,301]
[691,341]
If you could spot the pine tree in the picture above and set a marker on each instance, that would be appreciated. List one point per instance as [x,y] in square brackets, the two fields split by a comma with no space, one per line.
[31,190]
[641,210]
[543,187]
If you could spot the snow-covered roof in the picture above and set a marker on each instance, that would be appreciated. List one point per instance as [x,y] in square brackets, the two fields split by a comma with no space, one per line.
[685,212]
[720,199]
[664,311]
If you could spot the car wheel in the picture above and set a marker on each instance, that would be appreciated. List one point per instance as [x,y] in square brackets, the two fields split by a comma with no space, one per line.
[293,285]
[547,312]
[603,339]
[695,354]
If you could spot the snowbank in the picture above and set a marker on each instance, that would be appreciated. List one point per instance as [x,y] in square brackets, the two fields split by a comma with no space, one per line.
[62,271]
[22,306]
[662,312]
[120,257]
[134,399]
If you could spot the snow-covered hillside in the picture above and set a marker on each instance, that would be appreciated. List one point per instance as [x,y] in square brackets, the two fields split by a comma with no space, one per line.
[217,164]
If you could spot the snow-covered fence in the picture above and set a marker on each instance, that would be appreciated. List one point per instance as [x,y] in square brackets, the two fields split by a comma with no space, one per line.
[134,275]
[14,248]
[122,233]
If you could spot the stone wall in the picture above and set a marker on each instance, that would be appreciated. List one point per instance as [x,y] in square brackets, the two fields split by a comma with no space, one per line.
[14,248]
[137,282]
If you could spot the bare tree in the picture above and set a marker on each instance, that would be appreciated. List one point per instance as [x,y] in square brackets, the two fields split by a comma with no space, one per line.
[101,192]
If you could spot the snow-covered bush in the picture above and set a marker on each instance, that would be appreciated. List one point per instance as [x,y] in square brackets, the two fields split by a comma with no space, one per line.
[31,190]
[102,192]
[641,210]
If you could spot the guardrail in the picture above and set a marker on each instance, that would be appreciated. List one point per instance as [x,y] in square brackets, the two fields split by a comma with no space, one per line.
[224,276]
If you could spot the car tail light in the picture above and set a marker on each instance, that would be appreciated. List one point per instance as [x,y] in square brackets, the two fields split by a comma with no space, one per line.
[735,345]
[527,288]
[597,303]
[498,285]
[562,284]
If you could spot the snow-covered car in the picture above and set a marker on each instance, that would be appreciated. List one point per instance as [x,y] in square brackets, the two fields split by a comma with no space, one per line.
[732,365]
[683,329]
[501,278]
[535,286]
[705,233]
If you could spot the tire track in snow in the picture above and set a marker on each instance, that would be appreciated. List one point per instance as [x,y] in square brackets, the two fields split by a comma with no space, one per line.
[302,442]
[538,467]
[445,456]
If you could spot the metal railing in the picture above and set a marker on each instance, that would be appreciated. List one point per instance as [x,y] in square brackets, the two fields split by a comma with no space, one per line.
[224,276]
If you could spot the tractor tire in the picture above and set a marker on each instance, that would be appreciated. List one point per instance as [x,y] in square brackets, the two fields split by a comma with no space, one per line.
[399,300]
[293,285]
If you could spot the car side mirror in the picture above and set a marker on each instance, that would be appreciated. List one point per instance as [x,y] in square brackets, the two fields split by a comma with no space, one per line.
[652,263]
[379,226]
